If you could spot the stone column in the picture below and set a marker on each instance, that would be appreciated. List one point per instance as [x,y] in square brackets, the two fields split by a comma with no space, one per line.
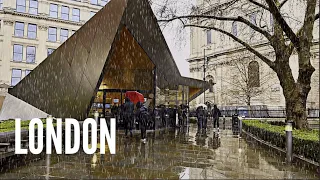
[7,56]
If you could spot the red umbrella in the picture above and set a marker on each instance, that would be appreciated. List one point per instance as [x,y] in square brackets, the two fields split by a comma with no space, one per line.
[134,96]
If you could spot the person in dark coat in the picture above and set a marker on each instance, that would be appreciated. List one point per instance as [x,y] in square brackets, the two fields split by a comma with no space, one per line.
[143,116]
[216,114]
[128,113]
[204,121]
[200,116]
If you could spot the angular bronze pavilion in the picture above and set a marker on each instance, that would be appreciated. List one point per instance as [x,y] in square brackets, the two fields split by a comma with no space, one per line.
[119,48]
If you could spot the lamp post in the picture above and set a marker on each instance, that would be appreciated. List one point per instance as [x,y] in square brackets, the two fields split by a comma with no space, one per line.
[204,73]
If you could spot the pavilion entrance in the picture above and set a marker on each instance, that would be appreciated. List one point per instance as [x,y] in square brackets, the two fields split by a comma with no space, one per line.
[128,68]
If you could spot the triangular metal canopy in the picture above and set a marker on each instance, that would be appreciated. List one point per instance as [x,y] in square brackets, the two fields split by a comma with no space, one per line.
[65,83]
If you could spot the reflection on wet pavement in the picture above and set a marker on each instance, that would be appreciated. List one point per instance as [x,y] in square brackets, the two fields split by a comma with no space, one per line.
[168,154]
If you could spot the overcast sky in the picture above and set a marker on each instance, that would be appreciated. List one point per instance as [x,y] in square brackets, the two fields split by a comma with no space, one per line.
[180,49]
[178,39]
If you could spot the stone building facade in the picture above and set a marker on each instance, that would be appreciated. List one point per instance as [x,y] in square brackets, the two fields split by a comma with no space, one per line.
[30,30]
[223,56]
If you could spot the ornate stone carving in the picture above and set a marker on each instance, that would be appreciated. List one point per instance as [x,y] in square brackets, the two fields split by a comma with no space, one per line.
[8,22]
[43,27]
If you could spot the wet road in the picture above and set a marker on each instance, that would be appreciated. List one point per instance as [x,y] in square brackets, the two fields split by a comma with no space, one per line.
[168,154]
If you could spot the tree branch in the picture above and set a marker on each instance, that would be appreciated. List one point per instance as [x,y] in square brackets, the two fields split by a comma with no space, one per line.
[238,19]
[283,2]
[246,45]
[259,4]
[283,24]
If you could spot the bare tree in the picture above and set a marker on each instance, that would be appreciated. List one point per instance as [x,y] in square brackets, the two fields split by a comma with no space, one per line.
[247,80]
[283,39]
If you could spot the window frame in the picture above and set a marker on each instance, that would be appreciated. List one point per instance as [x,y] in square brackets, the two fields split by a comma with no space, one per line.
[61,36]
[12,77]
[27,70]
[35,32]
[49,49]
[49,35]
[234,30]
[18,5]
[18,30]
[37,2]
[32,55]
[14,52]
[73,15]
[91,2]
[51,11]
[209,36]
[68,13]
[1,4]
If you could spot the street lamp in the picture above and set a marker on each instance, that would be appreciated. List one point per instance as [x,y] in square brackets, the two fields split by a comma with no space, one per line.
[204,72]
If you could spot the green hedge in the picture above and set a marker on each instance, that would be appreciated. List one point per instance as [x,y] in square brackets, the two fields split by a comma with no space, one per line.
[305,143]
[9,125]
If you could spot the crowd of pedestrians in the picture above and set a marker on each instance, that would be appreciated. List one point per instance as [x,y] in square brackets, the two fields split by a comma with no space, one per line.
[144,117]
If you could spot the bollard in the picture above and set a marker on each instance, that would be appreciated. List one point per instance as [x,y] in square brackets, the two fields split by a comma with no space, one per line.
[288,129]
[240,125]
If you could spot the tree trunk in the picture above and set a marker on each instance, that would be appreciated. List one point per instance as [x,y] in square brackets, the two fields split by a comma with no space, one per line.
[295,94]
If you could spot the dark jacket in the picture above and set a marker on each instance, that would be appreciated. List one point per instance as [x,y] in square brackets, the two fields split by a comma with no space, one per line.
[200,111]
[128,107]
[216,112]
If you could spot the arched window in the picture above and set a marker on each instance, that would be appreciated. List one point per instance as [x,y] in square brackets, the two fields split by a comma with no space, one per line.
[209,78]
[211,87]
[254,74]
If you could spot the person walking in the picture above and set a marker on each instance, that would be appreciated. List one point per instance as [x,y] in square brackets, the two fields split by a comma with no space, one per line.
[216,114]
[200,116]
[143,116]
[128,108]
[204,121]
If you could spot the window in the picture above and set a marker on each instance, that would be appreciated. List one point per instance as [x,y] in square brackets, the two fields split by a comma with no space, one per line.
[52,36]
[19,29]
[1,4]
[211,85]
[254,74]
[27,72]
[104,2]
[21,6]
[92,14]
[31,54]
[65,13]
[72,32]
[15,76]
[50,51]
[209,37]
[17,52]
[94,2]
[253,18]
[33,7]
[32,31]
[234,29]
[53,11]
[75,15]
[64,35]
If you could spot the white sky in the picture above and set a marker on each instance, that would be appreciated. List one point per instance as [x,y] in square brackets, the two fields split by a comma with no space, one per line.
[178,39]
[180,49]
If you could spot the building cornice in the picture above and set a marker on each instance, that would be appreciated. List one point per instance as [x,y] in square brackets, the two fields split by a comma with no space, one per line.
[235,50]
[42,17]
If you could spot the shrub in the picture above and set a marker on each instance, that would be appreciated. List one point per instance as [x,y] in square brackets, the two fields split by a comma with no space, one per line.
[305,142]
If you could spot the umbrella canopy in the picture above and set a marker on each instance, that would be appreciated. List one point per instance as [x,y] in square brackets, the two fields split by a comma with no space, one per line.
[203,105]
[135,97]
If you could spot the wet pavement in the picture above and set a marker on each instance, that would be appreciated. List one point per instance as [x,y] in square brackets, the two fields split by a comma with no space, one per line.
[168,154]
